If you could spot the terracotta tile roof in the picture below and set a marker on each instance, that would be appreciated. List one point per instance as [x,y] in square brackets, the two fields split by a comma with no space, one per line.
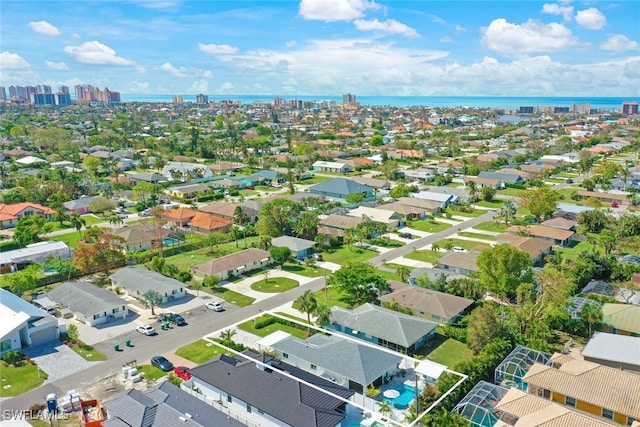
[542,231]
[179,214]
[590,382]
[530,245]
[210,222]
[603,195]
[16,208]
[559,222]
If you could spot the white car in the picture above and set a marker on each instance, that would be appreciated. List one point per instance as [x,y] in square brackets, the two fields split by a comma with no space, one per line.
[458,249]
[146,330]
[215,306]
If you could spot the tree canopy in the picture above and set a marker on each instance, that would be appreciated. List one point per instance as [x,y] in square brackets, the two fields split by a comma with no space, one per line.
[360,281]
[502,268]
[541,202]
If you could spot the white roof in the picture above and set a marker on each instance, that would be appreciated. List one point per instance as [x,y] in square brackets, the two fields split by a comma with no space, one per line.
[430,369]
[438,197]
[29,160]
[35,251]
[614,348]
[273,338]
[378,215]
[14,311]
[323,164]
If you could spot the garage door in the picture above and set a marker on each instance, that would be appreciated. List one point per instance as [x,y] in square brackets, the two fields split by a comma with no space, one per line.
[44,336]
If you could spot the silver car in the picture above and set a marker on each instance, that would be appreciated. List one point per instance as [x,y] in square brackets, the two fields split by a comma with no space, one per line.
[146,330]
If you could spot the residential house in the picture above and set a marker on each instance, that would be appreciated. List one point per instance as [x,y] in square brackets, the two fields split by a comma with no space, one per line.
[616,351]
[266,396]
[444,199]
[381,326]
[570,382]
[137,281]
[461,194]
[621,319]
[483,182]
[228,210]
[335,225]
[431,207]
[181,171]
[148,177]
[91,305]
[426,303]
[80,206]
[35,252]
[23,324]
[375,183]
[300,248]
[506,178]
[267,177]
[359,163]
[459,262]
[233,265]
[141,236]
[225,167]
[187,191]
[180,216]
[341,188]
[383,216]
[554,235]
[335,167]
[229,183]
[163,405]
[418,175]
[205,223]
[345,362]
[11,214]
[538,249]
[621,199]
[433,274]
[406,213]
[561,223]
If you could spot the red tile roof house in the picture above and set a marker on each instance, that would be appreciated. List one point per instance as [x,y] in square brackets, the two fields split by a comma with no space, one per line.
[11,214]
[206,223]
[556,236]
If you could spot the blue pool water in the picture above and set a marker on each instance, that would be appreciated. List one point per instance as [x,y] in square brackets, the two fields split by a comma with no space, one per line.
[169,241]
[407,394]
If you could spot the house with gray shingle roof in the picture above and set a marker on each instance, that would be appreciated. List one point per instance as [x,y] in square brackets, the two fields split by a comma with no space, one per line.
[345,362]
[340,188]
[233,264]
[300,248]
[137,281]
[387,328]
[91,305]
[507,178]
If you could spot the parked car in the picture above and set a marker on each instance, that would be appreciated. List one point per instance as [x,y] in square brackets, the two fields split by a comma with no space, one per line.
[458,249]
[318,257]
[249,187]
[406,235]
[176,319]
[215,306]
[182,372]
[146,330]
[615,205]
[161,362]
[569,181]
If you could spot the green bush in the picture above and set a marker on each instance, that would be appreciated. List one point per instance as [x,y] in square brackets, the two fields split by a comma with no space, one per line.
[264,322]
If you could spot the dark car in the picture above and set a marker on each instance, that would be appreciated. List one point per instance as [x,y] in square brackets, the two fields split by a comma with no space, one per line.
[176,319]
[161,362]
[182,372]
[406,235]
[569,181]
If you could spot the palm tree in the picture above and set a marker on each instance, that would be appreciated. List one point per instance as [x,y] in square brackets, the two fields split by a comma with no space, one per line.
[241,218]
[77,222]
[473,191]
[385,408]
[508,210]
[435,247]
[227,335]
[264,242]
[403,271]
[448,245]
[307,303]
[323,314]
[116,221]
[592,315]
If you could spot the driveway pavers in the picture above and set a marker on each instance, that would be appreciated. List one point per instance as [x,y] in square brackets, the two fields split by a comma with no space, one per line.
[58,360]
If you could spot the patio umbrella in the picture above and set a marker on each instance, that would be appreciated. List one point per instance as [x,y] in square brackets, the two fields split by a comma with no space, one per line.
[405,364]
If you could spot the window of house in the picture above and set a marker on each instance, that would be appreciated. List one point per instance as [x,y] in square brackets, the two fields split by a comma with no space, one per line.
[229,398]
[248,408]
[5,345]
[570,401]
[313,367]
[630,420]
[607,413]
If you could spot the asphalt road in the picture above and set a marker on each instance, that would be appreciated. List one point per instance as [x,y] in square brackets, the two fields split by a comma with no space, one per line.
[200,323]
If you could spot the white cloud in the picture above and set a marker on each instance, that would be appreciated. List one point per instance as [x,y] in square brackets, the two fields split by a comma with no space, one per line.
[138,87]
[290,43]
[185,71]
[75,35]
[43,27]
[56,65]
[390,26]
[619,43]
[591,19]
[13,61]
[530,37]
[199,86]
[557,9]
[96,53]
[460,29]
[335,10]
[157,4]
[226,88]
[446,39]
[217,49]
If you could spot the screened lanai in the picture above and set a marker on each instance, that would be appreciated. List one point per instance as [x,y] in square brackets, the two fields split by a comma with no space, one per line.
[513,368]
[478,406]
[576,304]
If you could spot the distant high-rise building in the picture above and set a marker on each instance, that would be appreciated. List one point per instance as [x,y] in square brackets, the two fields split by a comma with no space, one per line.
[526,110]
[349,98]
[43,89]
[177,99]
[580,108]
[560,110]
[62,98]
[3,94]
[64,89]
[202,99]
[278,102]
[43,99]
[630,108]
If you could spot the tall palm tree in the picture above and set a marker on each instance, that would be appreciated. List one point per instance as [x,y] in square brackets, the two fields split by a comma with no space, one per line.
[227,334]
[473,191]
[508,210]
[323,314]
[307,303]
[403,272]
[77,222]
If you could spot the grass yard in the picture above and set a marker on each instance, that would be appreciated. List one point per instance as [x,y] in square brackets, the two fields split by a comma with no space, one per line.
[476,213]
[71,239]
[266,188]
[248,326]
[446,351]
[232,297]
[565,193]
[347,253]
[496,227]
[573,251]
[185,260]
[428,227]
[330,296]
[315,179]
[248,193]
[465,244]
[274,285]
[200,351]
[424,256]
[389,275]
[385,242]
[88,352]
[477,235]
[303,270]
[151,373]
[494,204]
[21,378]
[513,192]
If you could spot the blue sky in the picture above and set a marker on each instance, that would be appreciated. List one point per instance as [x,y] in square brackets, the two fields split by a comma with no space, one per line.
[326,47]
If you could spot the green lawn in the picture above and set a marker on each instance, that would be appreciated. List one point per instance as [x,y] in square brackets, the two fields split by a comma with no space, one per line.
[514,192]
[185,260]
[565,193]
[424,256]
[200,351]
[88,352]
[330,296]
[316,179]
[248,326]
[498,227]
[477,235]
[230,296]
[347,253]
[446,351]
[574,250]
[274,285]
[385,242]
[465,244]
[476,213]
[248,193]
[494,204]
[303,270]
[428,227]
[266,188]
[389,275]
[70,239]
[151,373]
[21,378]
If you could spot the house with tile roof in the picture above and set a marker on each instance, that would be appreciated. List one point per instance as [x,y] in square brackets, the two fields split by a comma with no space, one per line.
[300,248]
[428,304]
[10,214]
[187,191]
[141,236]
[228,210]
[179,216]
[622,319]
[387,328]
[336,225]
[206,223]
[621,198]
[233,264]
[537,249]
[265,396]
[384,216]
[605,392]
[556,236]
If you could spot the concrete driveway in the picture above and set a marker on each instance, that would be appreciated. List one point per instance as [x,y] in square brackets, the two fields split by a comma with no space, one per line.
[58,360]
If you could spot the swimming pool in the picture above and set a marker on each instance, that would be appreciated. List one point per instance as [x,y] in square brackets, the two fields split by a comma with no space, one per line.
[407,394]
[170,241]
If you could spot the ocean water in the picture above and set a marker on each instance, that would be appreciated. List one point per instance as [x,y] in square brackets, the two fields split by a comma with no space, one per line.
[500,102]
